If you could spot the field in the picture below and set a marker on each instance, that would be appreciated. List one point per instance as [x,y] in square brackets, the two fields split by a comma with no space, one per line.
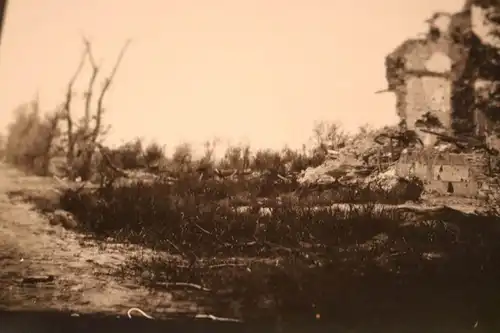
[360,264]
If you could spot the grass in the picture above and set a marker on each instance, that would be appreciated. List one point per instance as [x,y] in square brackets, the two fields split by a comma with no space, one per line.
[180,213]
[300,263]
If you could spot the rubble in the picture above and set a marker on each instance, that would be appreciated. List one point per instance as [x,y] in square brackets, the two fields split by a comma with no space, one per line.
[348,171]
[63,218]
[363,156]
[409,189]
[345,167]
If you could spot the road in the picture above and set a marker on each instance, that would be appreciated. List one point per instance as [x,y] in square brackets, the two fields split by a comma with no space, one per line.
[46,267]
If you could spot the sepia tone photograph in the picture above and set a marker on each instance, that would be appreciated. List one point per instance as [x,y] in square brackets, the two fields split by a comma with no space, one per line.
[279,165]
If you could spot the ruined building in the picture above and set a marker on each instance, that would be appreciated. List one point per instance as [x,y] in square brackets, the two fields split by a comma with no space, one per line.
[452,74]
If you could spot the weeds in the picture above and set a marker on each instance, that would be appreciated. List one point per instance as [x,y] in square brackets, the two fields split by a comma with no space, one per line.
[202,218]
[299,261]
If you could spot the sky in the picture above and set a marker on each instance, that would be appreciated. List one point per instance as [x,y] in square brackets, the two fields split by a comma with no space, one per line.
[246,71]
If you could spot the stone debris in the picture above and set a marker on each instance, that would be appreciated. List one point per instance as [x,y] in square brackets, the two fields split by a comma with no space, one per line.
[409,189]
[63,218]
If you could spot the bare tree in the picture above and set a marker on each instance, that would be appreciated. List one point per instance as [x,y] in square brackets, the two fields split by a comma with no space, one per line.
[206,168]
[82,138]
[329,135]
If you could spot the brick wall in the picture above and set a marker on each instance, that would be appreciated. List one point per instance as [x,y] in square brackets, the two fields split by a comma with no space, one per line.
[427,94]
[459,174]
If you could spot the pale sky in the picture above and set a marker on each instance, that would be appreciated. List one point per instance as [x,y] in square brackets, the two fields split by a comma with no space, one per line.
[258,71]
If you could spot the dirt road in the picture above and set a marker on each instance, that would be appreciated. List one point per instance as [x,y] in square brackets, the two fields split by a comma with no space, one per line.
[32,252]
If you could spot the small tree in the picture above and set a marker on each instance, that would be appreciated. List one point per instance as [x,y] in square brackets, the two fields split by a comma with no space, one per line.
[267,159]
[153,154]
[329,135]
[294,161]
[207,161]
[129,155]
[234,157]
[182,158]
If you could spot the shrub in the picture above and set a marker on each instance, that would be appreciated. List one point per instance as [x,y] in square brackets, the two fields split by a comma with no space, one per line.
[129,155]
[153,153]
[30,137]
[236,157]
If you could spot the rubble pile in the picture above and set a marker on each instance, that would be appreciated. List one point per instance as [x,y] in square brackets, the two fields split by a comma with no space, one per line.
[359,164]
[490,191]
[340,168]
[349,171]
[409,189]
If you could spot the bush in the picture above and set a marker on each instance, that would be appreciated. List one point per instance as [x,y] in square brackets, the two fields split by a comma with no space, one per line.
[129,156]
[153,153]
[30,138]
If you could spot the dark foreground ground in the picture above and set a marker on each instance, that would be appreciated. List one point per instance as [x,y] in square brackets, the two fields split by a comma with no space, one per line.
[55,322]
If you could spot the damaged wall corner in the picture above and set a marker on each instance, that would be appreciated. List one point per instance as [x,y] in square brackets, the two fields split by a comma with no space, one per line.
[419,73]
[464,95]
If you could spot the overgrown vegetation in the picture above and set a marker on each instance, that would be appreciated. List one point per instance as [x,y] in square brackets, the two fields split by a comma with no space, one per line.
[298,261]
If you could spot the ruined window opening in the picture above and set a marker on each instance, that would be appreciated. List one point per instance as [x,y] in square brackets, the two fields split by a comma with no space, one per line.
[450,188]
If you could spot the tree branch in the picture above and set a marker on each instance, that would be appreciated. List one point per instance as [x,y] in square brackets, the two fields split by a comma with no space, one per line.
[67,108]
[105,88]
[91,83]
